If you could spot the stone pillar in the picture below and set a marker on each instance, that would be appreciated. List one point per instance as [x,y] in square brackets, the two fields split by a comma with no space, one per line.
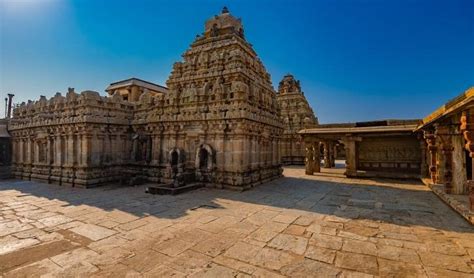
[351,155]
[50,150]
[423,163]
[70,150]
[443,132]
[58,159]
[309,160]
[155,149]
[432,149]
[85,149]
[29,151]
[327,155]
[317,157]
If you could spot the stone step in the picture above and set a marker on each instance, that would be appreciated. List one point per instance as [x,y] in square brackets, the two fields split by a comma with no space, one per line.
[168,189]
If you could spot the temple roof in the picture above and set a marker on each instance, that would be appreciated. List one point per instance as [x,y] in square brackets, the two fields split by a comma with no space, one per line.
[364,127]
[224,23]
[452,106]
[137,82]
[289,85]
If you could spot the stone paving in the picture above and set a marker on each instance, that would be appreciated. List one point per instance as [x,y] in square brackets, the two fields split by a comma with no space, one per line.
[297,226]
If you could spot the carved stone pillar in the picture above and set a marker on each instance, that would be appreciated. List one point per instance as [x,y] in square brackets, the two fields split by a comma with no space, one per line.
[443,132]
[29,151]
[57,150]
[317,157]
[467,129]
[423,163]
[86,149]
[309,160]
[70,149]
[327,155]
[432,149]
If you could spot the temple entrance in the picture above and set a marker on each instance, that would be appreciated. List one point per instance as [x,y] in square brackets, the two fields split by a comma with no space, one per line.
[205,161]
[174,161]
[176,165]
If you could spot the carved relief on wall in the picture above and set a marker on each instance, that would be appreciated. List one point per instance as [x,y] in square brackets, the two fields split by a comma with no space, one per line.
[395,153]
[389,151]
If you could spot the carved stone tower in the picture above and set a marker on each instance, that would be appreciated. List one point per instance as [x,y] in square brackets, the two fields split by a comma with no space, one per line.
[296,115]
[221,110]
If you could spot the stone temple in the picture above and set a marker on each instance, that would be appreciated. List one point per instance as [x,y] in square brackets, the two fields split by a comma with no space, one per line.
[296,115]
[216,123]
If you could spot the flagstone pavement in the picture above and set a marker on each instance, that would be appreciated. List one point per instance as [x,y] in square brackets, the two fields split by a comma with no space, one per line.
[296,226]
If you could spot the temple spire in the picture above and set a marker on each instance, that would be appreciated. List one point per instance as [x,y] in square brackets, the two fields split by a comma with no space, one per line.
[225,10]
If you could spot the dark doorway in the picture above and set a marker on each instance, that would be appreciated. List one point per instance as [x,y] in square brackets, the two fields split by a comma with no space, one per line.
[174,158]
[203,158]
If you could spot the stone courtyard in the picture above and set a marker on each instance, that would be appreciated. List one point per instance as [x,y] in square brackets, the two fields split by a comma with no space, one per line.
[300,226]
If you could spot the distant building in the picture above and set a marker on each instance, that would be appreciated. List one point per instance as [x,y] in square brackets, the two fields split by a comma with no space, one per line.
[296,115]
[131,89]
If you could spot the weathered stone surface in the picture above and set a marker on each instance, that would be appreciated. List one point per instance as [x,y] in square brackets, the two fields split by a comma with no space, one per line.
[54,220]
[357,246]
[93,232]
[190,262]
[173,247]
[390,268]
[75,257]
[273,259]
[163,271]
[144,260]
[456,263]
[357,262]
[10,227]
[214,270]
[397,254]
[10,244]
[326,241]
[243,251]
[42,268]
[290,243]
[320,254]
[310,268]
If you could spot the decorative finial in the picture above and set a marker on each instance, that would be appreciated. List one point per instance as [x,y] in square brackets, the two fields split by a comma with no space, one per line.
[225,10]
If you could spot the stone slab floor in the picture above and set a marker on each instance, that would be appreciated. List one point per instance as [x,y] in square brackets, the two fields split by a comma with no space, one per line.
[297,226]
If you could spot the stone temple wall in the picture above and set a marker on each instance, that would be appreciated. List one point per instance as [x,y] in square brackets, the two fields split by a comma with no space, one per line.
[218,124]
[81,139]
[296,115]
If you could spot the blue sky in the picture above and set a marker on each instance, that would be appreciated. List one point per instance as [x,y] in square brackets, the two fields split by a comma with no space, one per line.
[356,59]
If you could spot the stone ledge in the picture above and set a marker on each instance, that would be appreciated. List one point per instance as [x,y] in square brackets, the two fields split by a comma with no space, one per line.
[456,202]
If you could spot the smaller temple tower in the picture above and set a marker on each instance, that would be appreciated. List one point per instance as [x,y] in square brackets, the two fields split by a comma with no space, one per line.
[296,114]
